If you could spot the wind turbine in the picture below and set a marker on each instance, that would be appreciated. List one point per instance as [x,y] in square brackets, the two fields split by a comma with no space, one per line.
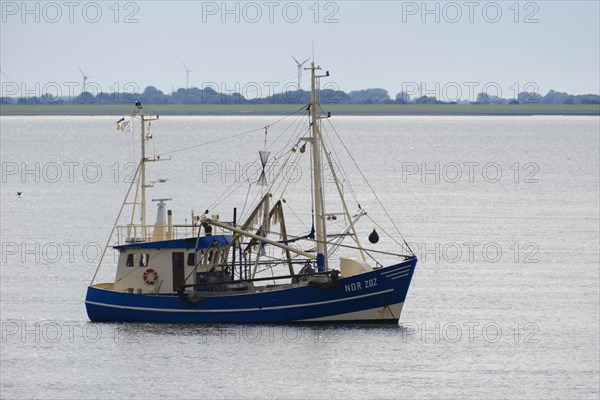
[299,65]
[85,78]
[187,74]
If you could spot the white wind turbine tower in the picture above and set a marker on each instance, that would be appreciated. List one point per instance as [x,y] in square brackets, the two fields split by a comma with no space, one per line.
[299,65]
[85,78]
[187,74]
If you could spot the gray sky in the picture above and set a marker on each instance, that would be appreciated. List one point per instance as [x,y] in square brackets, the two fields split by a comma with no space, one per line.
[448,49]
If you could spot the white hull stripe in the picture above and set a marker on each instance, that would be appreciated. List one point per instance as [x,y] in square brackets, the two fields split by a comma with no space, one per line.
[174,310]
[403,271]
[400,276]
[379,313]
[396,271]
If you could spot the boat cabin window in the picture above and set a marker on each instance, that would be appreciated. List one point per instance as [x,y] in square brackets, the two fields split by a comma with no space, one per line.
[191,259]
[129,261]
[144,258]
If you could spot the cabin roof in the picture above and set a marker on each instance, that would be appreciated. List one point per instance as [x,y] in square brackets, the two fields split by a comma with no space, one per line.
[188,243]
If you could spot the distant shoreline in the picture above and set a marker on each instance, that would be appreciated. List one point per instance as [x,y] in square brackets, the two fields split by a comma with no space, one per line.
[283,109]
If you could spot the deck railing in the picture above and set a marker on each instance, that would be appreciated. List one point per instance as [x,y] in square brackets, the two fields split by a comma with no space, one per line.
[132,233]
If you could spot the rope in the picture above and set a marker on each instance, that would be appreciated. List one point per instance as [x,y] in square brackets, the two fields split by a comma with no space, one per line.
[340,164]
[383,230]
[211,142]
[229,191]
[286,150]
[246,201]
[370,187]
[230,137]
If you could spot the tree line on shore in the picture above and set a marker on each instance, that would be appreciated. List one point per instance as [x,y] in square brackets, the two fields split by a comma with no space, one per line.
[194,95]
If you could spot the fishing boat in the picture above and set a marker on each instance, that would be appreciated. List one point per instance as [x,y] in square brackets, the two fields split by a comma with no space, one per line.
[252,268]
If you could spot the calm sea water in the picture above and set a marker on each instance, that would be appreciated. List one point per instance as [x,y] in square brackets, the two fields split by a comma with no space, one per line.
[503,213]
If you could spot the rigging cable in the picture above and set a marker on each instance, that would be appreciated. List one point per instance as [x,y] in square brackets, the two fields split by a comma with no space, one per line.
[230,190]
[230,137]
[340,164]
[370,187]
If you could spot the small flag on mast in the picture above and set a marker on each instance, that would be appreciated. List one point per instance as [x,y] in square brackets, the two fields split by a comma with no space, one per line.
[123,125]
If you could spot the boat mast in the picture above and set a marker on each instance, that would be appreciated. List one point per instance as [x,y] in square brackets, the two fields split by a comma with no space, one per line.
[144,117]
[318,178]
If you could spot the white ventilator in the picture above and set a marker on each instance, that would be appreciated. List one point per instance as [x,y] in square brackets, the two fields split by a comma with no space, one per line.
[160,226]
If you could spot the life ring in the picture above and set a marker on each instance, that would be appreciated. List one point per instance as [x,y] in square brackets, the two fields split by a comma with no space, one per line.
[150,277]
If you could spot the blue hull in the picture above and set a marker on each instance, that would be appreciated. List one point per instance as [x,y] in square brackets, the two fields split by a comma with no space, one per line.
[375,296]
